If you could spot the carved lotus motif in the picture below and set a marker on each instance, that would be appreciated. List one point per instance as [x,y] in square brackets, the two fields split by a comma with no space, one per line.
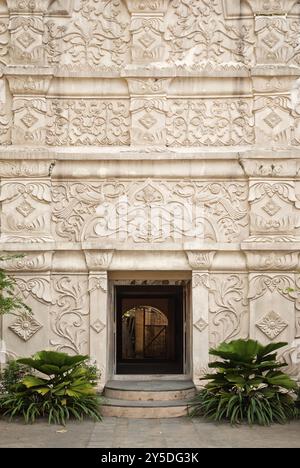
[25,327]
[272,325]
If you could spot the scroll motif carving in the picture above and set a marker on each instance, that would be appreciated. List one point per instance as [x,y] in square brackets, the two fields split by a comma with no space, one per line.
[4,41]
[96,37]
[5,125]
[283,284]
[205,122]
[37,262]
[70,314]
[150,211]
[38,288]
[26,212]
[229,316]
[84,122]
[198,36]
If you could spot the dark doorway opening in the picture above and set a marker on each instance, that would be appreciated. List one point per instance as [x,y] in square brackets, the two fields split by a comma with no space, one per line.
[149,329]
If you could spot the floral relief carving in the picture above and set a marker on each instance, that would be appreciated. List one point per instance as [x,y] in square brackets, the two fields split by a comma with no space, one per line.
[273,208]
[150,211]
[38,288]
[272,260]
[282,284]
[26,211]
[228,309]
[70,314]
[4,42]
[88,122]
[206,122]
[291,357]
[273,121]
[26,39]
[277,40]
[200,279]
[29,121]
[36,262]
[96,37]
[5,125]
[272,325]
[198,36]
[25,326]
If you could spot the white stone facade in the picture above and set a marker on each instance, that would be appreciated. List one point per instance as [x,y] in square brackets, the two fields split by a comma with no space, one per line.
[151,140]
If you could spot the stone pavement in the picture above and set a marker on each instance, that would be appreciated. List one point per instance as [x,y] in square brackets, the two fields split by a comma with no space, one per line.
[147,433]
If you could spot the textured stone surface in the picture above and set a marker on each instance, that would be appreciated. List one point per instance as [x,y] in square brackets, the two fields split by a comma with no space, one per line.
[154,140]
[149,433]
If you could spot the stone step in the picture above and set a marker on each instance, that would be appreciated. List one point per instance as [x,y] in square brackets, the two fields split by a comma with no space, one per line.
[144,409]
[155,390]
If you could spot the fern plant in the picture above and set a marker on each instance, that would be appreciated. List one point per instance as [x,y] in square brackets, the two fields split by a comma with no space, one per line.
[66,390]
[248,385]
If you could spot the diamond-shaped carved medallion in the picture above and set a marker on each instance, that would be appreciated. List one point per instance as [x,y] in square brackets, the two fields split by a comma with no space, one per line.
[29,120]
[271,40]
[26,40]
[25,327]
[201,324]
[272,325]
[272,119]
[98,326]
[147,120]
[147,40]
[271,208]
[25,209]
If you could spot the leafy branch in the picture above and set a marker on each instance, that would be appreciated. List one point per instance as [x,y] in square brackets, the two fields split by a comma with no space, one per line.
[9,300]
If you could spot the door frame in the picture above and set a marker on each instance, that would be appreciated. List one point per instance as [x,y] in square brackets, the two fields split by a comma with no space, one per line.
[175,295]
[114,282]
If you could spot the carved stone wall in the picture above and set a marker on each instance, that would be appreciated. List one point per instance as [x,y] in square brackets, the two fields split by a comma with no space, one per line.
[154,138]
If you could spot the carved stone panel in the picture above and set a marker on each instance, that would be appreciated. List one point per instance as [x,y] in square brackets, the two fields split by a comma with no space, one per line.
[88,122]
[96,37]
[228,308]
[210,122]
[153,211]
[70,317]
[25,334]
[272,307]
[26,211]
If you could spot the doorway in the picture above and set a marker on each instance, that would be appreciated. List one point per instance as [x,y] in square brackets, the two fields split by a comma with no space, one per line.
[149,329]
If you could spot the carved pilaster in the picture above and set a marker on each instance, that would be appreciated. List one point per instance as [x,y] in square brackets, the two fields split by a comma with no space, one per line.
[29,106]
[149,107]
[26,201]
[200,321]
[273,209]
[276,33]
[26,25]
[272,307]
[147,28]
[98,321]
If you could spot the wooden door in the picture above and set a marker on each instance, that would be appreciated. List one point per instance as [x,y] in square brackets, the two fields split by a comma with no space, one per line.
[149,329]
